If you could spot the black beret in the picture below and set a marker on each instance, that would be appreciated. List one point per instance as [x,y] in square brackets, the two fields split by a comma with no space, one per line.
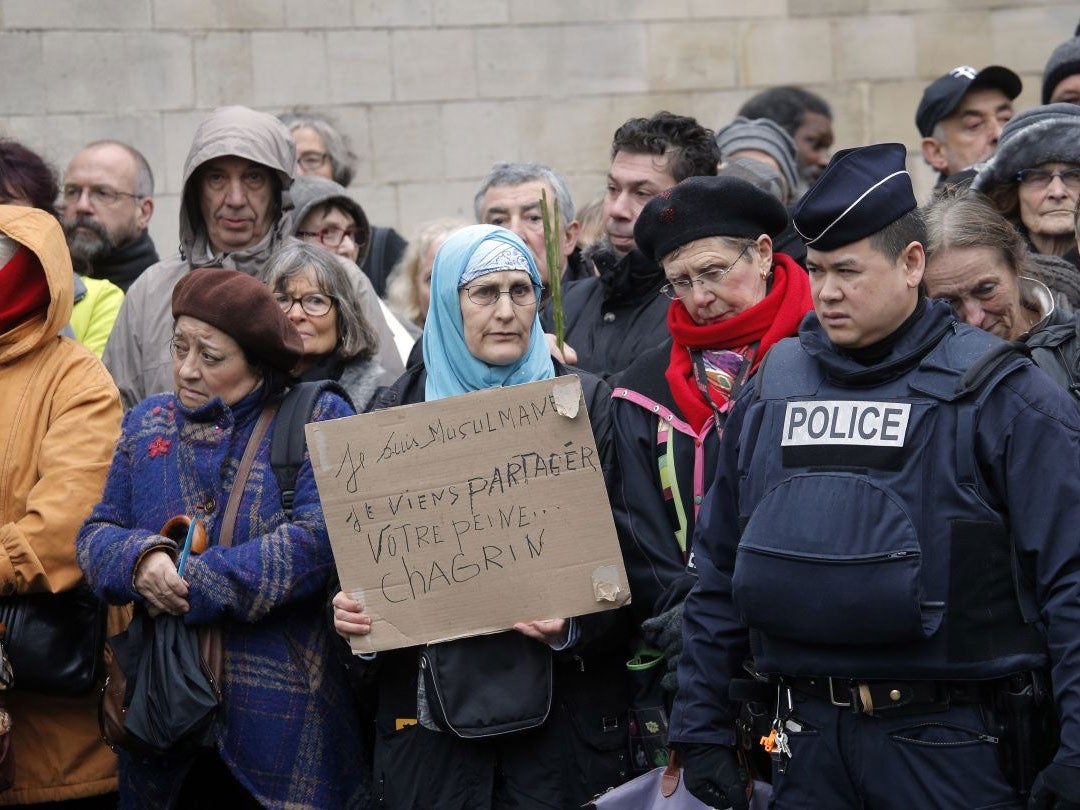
[700,207]
[860,192]
[244,309]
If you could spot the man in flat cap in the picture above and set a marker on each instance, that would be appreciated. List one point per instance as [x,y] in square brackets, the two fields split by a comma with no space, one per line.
[961,114]
[874,546]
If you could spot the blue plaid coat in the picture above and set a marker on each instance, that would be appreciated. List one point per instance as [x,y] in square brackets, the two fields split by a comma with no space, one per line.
[288,730]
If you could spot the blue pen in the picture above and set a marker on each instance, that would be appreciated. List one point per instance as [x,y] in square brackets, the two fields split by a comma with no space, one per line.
[186,549]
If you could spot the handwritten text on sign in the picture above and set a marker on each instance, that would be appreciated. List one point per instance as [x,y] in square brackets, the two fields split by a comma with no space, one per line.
[466,515]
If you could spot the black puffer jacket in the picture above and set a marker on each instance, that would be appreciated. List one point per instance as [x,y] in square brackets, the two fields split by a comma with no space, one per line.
[614,317]
[1055,348]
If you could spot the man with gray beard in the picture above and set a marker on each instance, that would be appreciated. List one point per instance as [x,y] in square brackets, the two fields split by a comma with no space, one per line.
[107,204]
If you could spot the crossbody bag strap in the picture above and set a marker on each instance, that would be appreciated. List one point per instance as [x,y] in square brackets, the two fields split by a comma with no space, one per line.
[228,520]
[211,637]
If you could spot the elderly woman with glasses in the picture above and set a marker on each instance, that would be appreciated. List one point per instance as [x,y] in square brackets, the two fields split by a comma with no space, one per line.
[732,298]
[482,331]
[314,291]
[1033,180]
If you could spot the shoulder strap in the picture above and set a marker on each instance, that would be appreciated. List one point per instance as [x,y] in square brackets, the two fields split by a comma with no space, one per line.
[378,250]
[787,371]
[228,520]
[980,379]
[289,441]
[991,365]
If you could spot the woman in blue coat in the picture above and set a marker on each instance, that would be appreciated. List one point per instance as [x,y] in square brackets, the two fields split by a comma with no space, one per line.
[283,735]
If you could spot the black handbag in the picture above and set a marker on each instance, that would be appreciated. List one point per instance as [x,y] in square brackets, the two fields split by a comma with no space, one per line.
[165,679]
[487,685]
[55,640]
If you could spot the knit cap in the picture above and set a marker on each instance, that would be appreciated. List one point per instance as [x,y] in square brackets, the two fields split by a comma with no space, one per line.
[762,135]
[1063,62]
[1046,134]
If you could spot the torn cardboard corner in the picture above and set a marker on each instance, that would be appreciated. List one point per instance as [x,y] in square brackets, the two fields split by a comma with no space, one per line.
[467,515]
[567,396]
[606,585]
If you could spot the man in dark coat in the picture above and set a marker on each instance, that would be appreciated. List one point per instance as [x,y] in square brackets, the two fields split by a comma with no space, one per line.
[613,317]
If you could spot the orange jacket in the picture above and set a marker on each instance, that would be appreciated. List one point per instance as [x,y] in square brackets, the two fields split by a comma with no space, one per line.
[59,420]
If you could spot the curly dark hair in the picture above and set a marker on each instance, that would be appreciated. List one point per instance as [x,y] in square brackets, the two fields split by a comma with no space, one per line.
[24,174]
[786,105]
[690,147]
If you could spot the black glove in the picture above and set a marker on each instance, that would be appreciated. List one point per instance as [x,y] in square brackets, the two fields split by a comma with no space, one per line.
[713,775]
[664,632]
[1057,787]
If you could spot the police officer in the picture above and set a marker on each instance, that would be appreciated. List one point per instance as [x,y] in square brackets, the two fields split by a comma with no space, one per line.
[894,519]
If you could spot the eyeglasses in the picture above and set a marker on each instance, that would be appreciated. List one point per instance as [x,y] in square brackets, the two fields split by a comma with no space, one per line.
[524,295]
[314,304]
[684,288]
[1040,178]
[331,236]
[311,161]
[99,195]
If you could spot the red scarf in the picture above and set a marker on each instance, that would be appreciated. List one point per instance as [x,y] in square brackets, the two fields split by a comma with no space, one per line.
[773,318]
[24,292]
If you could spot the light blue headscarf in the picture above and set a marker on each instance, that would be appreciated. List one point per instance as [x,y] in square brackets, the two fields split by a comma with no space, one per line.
[451,367]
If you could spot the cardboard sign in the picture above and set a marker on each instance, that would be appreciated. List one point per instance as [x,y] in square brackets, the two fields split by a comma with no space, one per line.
[463,516]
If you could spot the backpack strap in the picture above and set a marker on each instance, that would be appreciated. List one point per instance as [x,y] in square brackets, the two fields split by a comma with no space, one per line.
[289,442]
[974,387]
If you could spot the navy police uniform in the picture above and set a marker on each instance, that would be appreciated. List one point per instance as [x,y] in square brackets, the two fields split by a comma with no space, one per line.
[889,542]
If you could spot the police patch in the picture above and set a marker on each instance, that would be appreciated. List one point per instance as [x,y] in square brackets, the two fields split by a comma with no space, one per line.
[844,433]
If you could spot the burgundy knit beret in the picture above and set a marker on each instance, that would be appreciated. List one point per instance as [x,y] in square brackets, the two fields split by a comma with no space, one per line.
[244,309]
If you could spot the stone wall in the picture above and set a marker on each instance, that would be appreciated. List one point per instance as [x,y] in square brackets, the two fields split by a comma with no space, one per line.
[431,92]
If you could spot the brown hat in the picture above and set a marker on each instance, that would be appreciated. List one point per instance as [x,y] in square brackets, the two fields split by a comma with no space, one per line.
[244,309]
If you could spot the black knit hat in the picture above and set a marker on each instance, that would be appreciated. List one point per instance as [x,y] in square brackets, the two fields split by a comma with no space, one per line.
[942,96]
[1063,62]
[700,207]
[243,308]
[860,192]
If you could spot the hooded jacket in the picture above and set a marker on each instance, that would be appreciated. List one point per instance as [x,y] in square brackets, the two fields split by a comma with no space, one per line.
[59,417]
[137,353]
[310,191]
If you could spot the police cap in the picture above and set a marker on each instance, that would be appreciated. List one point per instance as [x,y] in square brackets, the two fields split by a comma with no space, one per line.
[860,192]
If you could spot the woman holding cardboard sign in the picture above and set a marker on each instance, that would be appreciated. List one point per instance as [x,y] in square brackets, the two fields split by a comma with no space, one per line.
[552,731]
